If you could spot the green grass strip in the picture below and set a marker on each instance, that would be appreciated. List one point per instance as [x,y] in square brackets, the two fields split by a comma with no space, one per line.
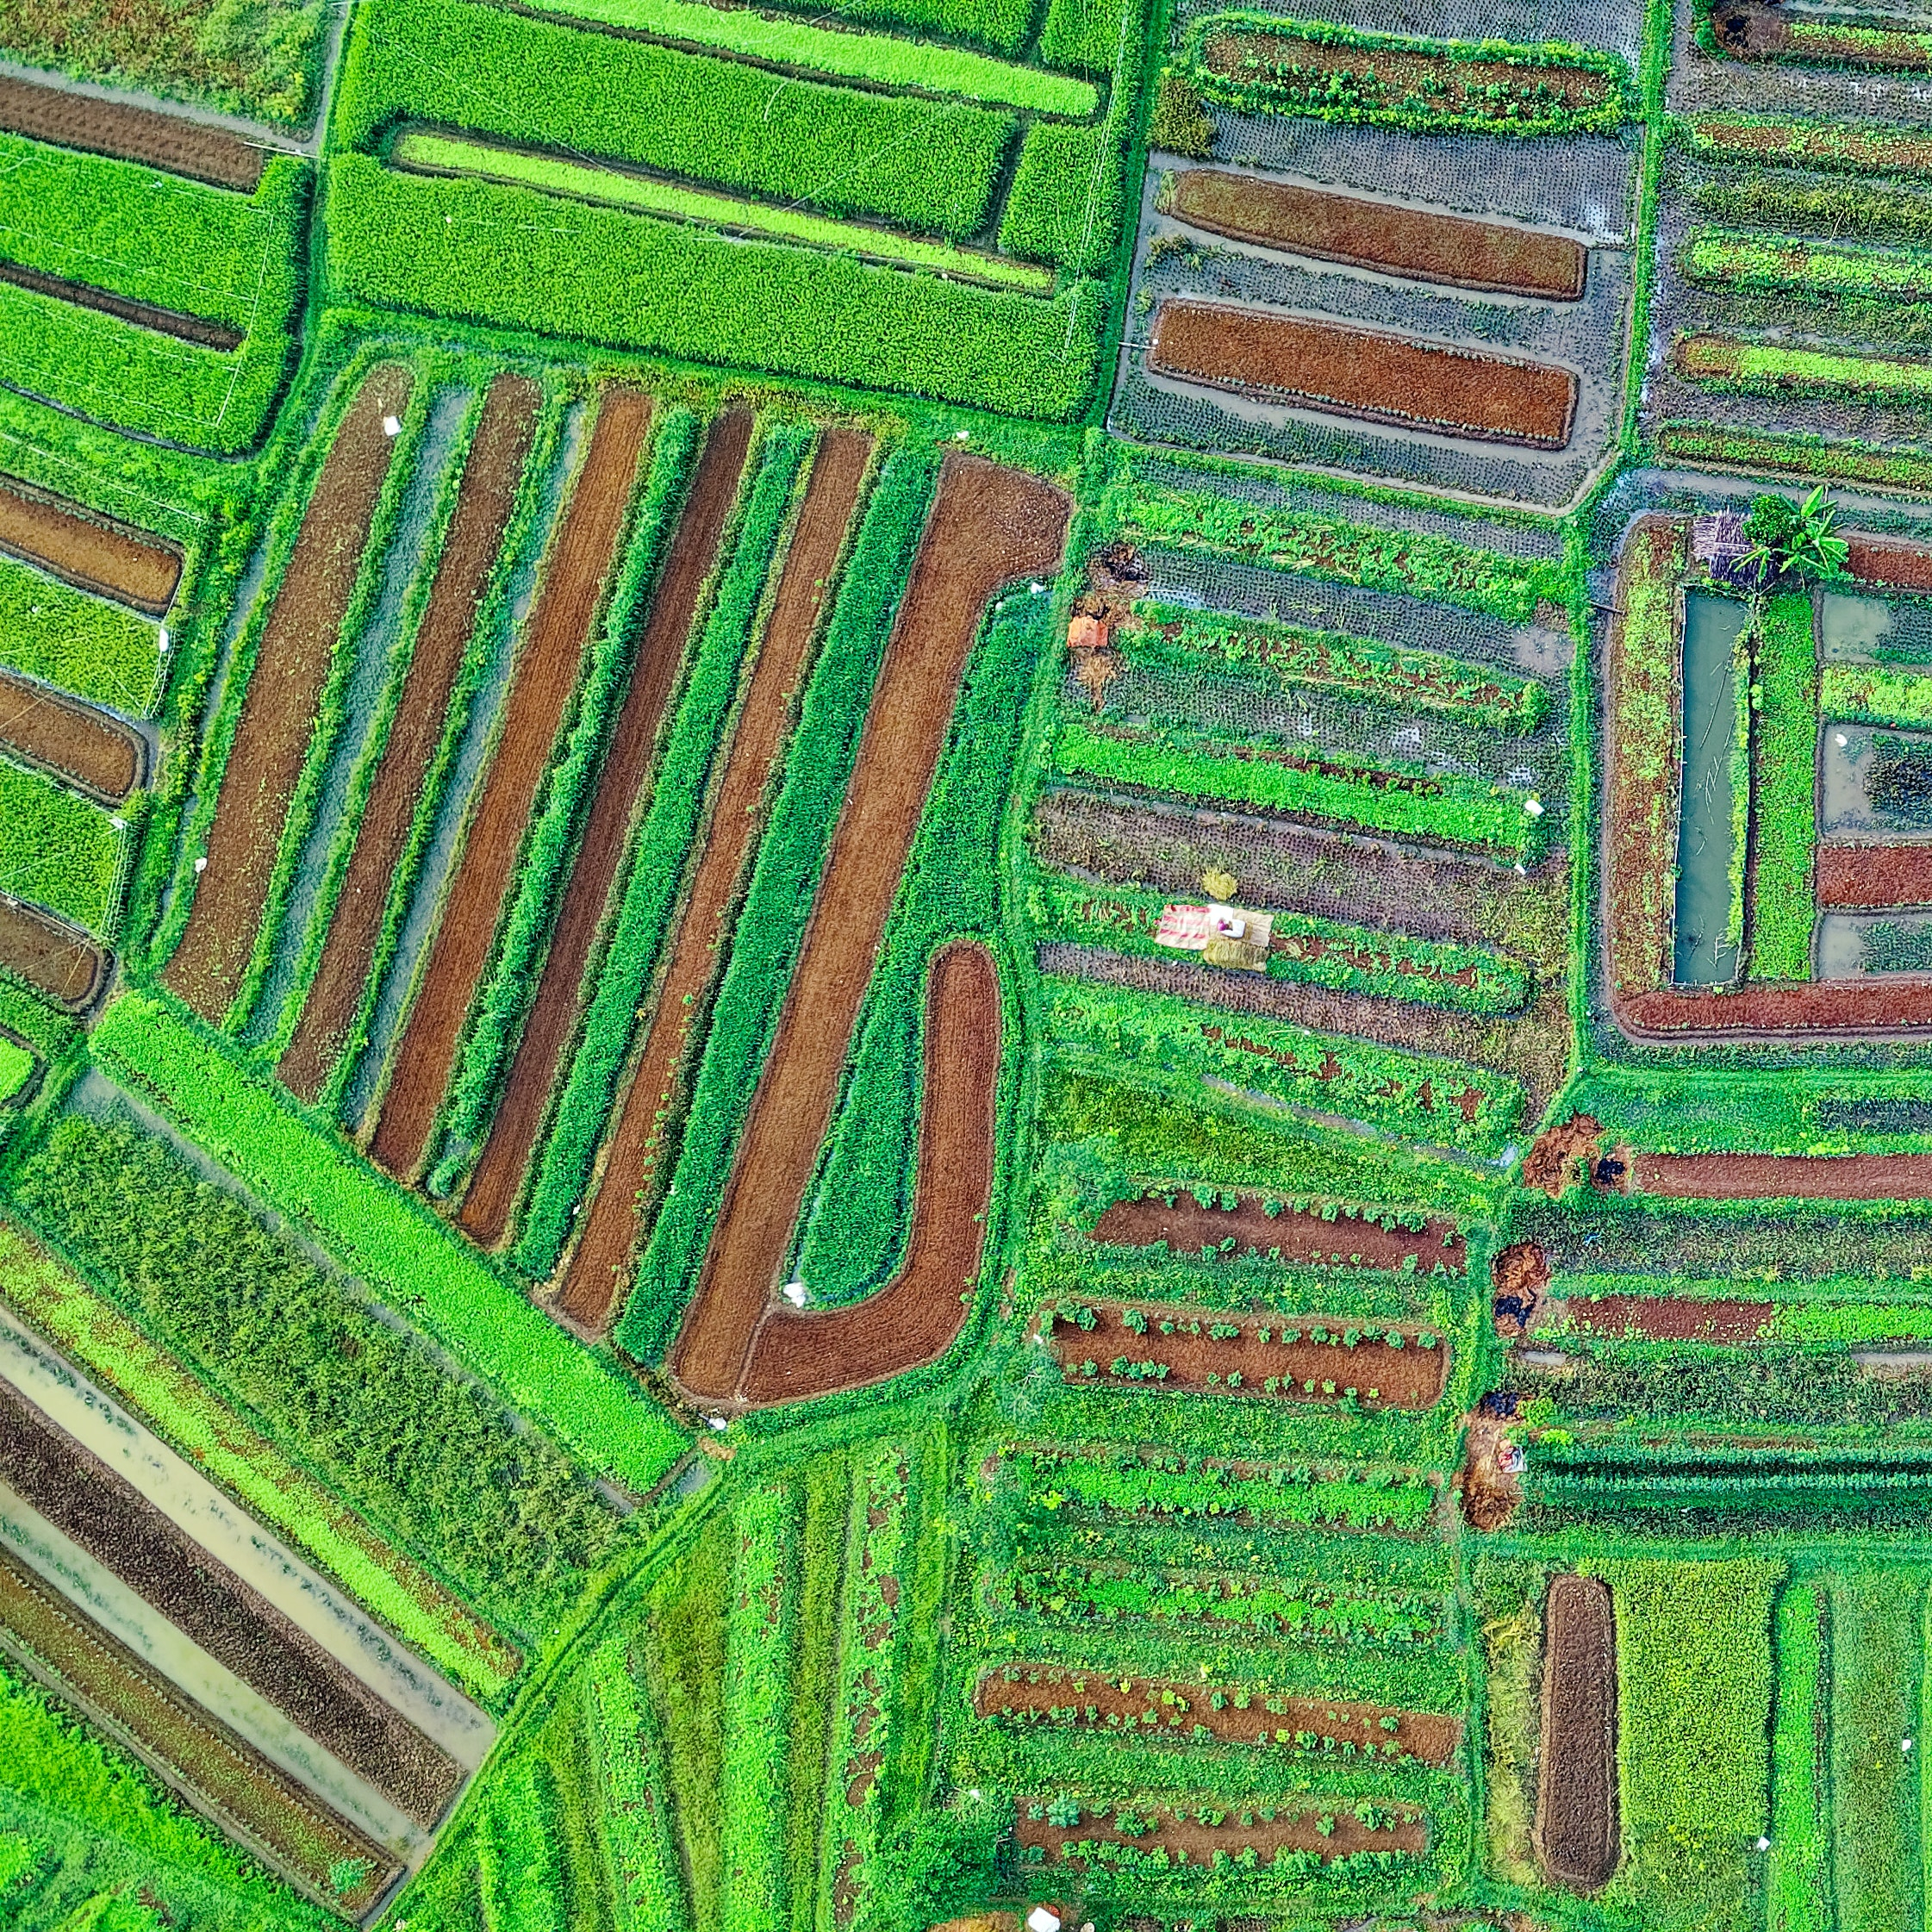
[1783,760]
[421,152]
[630,1764]
[1797,1877]
[92,1332]
[1771,369]
[95,650]
[1709,446]
[408,1257]
[1725,258]
[1872,694]
[1841,147]
[876,57]
[761,1642]
[58,850]
[1877,1658]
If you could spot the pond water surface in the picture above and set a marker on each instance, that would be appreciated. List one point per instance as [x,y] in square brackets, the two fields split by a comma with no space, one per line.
[1702,955]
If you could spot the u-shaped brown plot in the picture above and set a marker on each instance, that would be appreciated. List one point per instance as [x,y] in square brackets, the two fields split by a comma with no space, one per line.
[988,524]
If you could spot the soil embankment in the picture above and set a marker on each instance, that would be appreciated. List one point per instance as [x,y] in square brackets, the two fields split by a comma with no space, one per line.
[1305,1235]
[484,501]
[89,748]
[170,142]
[581,555]
[498,1179]
[285,686]
[593,1278]
[88,552]
[1782,1176]
[1367,374]
[1575,1834]
[60,961]
[988,524]
[144,314]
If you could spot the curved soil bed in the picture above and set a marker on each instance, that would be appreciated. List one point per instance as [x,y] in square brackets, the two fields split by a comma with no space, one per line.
[1870,877]
[1365,373]
[60,961]
[1277,1827]
[143,314]
[497,1180]
[914,1319]
[1408,241]
[1669,1317]
[90,553]
[205,1600]
[284,692]
[1575,1834]
[1300,1234]
[1783,1176]
[175,144]
[219,1773]
[988,524]
[642,1144]
[484,500]
[90,749]
[1052,1697]
[579,561]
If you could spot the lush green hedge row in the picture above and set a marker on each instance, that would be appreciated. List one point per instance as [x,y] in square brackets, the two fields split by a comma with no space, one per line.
[389,1240]
[84,645]
[778,900]
[1085,36]
[1441,1102]
[1764,201]
[1873,695]
[1726,258]
[1003,24]
[1851,147]
[1784,749]
[1797,1874]
[663,842]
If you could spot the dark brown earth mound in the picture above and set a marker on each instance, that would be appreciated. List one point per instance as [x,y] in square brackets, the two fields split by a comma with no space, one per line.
[88,748]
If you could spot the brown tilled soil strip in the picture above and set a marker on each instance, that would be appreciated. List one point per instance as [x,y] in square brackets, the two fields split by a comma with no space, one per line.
[205,1600]
[220,1773]
[1290,1828]
[158,141]
[1408,241]
[86,551]
[988,525]
[1670,1317]
[1872,877]
[498,1179]
[1365,373]
[1058,1698]
[593,1275]
[483,504]
[1782,1176]
[1880,1005]
[291,668]
[73,740]
[1893,562]
[143,314]
[1298,1234]
[914,1319]
[59,961]
[548,667]
[1575,1834]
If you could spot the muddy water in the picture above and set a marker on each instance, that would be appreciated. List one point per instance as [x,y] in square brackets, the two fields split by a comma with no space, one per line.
[1843,949]
[1704,954]
[1844,771]
[1875,630]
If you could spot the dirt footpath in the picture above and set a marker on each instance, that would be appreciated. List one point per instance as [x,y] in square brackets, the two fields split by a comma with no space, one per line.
[90,553]
[988,525]
[130,133]
[285,684]
[1575,1834]
[616,793]
[90,749]
[643,1142]
[60,961]
[579,561]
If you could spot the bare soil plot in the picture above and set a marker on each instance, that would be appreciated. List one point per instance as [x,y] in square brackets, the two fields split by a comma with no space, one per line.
[1895,563]
[1064,1700]
[484,500]
[1782,1176]
[1670,1317]
[59,960]
[568,601]
[1298,1234]
[1408,241]
[143,314]
[1200,1355]
[988,525]
[1826,1009]
[104,1514]
[88,748]
[592,1280]
[1864,877]
[167,141]
[1367,374]
[291,668]
[1575,1836]
[498,1177]
[217,1771]
[88,551]
[1276,1827]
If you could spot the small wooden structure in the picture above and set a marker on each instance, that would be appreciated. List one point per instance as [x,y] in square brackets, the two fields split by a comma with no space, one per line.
[1235,937]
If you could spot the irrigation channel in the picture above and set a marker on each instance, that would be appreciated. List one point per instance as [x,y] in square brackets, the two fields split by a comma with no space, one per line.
[1705,935]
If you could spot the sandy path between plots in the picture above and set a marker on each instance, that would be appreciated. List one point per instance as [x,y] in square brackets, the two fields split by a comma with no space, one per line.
[89,552]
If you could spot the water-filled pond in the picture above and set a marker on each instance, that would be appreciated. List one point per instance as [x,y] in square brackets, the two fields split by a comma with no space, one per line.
[1874,629]
[1851,944]
[1874,782]
[1705,945]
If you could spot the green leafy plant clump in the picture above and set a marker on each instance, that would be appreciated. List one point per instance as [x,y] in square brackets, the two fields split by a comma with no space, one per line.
[97,650]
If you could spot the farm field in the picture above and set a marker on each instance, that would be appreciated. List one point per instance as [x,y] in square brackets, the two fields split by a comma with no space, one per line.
[965,966]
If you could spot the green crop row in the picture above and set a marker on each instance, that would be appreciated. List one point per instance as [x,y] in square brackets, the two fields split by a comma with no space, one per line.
[1833,208]
[1364,667]
[1775,369]
[84,645]
[663,842]
[1825,459]
[1725,258]
[761,1638]
[630,1772]
[1086,36]
[1876,1651]
[1303,948]
[1784,755]
[59,851]
[389,1240]
[1001,24]
[1873,694]
[517,1867]
[1850,146]
[1448,810]
[1797,1878]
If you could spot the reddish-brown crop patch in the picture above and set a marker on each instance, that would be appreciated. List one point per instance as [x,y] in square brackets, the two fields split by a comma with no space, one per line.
[1348,1236]
[484,500]
[1872,876]
[1070,1699]
[498,1179]
[88,551]
[1408,241]
[1264,1826]
[166,141]
[1575,1834]
[546,673]
[285,684]
[988,525]
[592,1279]
[1782,1176]
[1892,562]
[88,748]
[53,958]
[1669,1317]
[1365,373]
[143,314]
[1288,1358]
